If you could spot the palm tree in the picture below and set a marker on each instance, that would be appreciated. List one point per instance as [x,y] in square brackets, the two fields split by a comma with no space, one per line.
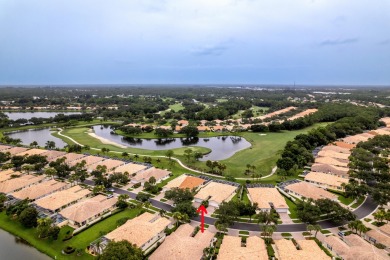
[123,197]
[268,231]
[317,228]
[162,212]
[136,156]
[177,216]
[361,228]
[125,154]
[310,228]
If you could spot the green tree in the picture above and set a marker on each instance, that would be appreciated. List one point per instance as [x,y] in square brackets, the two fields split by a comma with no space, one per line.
[28,217]
[121,250]
[169,154]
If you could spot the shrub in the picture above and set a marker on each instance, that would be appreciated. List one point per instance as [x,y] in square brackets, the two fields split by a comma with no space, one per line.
[380,246]
[68,250]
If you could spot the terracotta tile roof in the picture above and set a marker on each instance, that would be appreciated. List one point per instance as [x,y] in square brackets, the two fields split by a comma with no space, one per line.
[130,168]
[52,155]
[6,175]
[38,190]
[183,122]
[191,182]
[386,120]
[361,249]
[12,185]
[72,156]
[275,113]
[88,208]
[88,160]
[231,249]
[32,152]
[264,196]
[309,248]
[218,128]
[4,147]
[385,229]
[333,154]
[379,237]
[336,149]
[217,192]
[156,173]
[332,161]
[109,163]
[308,190]
[355,139]
[338,246]
[303,113]
[176,246]
[16,150]
[327,179]
[330,169]
[203,128]
[176,182]
[140,230]
[381,131]
[62,198]
[344,145]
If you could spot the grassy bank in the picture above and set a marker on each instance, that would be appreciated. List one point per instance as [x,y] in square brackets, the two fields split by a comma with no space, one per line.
[82,240]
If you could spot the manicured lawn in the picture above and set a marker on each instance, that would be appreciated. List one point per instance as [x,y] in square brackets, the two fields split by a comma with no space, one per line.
[292,208]
[345,200]
[176,107]
[243,232]
[81,240]
[358,203]
[286,235]
[325,231]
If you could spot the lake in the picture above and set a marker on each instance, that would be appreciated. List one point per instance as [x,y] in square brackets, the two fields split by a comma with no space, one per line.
[39,135]
[222,147]
[13,248]
[29,115]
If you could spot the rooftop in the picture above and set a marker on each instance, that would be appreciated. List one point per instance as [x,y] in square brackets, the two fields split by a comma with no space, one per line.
[344,145]
[217,192]
[14,184]
[32,152]
[140,230]
[62,198]
[264,196]
[309,248]
[379,237]
[7,174]
[4,147]
[184,182]
[326,168]
[333,154]
[303,113]
[38,190]
[308,190]
[176,246]
[88,160]
[385,229]
[156,173]
[327,179]
[231,248]
[336,149]
[332,161]
[130,168]
[88,208]
[53,154]
[73,156]
[109,163]
[16,150]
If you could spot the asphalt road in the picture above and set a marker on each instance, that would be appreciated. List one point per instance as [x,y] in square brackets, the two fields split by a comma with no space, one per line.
[364,210]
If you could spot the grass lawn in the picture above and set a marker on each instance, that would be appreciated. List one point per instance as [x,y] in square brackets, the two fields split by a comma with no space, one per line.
[81,240]
[345,200]
[243,232]
[358,203]
[325,231]
[176,107]
[286,235]
[292,208]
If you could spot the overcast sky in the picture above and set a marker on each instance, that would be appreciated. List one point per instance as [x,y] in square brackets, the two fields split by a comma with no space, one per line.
[195,41]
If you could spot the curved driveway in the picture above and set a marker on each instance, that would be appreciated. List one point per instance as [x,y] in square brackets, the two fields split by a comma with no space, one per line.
[364,210]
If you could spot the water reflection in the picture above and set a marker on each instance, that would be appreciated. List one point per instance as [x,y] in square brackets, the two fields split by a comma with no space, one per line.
[222,147]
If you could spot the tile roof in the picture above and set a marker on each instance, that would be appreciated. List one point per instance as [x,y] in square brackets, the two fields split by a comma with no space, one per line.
[6,175]
[88,160]
[217,192]
[309,250]
[382,131]
[130,168]
[4,147]
[379,237]
[386,120]
[303,113]
[385,229]
[361,249]
[263,196]
[38,190]
[109,163]
[336,149]
[16,150]
[140,230]
[332,169]
[88,208]
[308,190]
[53,154]
[354,139]
[72,156]
[33,151]
[331,161]
[180,245]
[14,184]
[344,145]
[327,179]
[184,182]
[231,249]
[337,245]
[156,173]
[333,154]
[62,198]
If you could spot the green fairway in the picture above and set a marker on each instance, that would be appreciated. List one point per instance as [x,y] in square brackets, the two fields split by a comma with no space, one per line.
[81,240]
[176,107]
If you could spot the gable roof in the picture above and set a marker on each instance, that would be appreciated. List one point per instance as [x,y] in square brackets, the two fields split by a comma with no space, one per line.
[217,192]
[308,190]
[263,196]
[38,190]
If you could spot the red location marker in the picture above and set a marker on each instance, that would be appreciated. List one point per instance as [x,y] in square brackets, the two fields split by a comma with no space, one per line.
[202,210]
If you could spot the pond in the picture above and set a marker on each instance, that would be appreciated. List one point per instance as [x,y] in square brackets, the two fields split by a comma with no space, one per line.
[222,147]
[39,135]
[29,115]
[14,248]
